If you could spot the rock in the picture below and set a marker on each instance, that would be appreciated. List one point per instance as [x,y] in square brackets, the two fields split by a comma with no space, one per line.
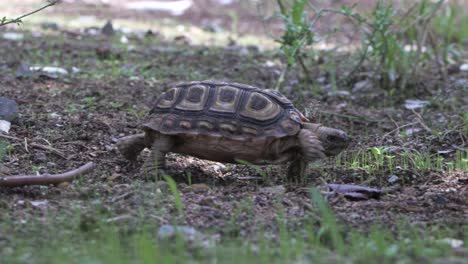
[5,126]
[40,156]
[415,104]
[188,234]
[169,231]
[393,179]
[211,27]
[175,8]
[23,71]
[75,70]
[464,67]
[218,167]
[274,190]
[123,39]
[40,203]
[460,84]
[12,36]
[363,86]
[225,2]
[162,186]
[8,109]
[50,25]
[454,243]
[108,29]
[198,188]
[339,93]
[49,69]
[355,192]
[4,170]
[412,131]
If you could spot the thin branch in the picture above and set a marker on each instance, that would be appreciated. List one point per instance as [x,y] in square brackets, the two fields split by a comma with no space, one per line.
[36,145]
[399,128]
[358,119]
[22,180]
[18,19]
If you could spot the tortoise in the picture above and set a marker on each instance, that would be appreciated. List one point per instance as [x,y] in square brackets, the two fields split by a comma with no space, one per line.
[231,122]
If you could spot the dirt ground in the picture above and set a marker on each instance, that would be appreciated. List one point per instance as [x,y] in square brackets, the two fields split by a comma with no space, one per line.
[82,115]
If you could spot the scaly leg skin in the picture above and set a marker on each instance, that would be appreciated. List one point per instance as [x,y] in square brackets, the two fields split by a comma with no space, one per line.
[131,146]
[311,146]
[297,170]
[154,165]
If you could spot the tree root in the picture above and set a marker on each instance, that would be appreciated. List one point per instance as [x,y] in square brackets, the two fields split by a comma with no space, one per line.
[22,180]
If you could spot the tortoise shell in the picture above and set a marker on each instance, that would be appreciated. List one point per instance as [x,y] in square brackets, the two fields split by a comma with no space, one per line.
[221,109]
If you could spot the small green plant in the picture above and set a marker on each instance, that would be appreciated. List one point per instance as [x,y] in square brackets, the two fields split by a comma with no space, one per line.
[329,228]
[257,168]
[465,123]
[138,114]
[175,192]
[379,156]
[299,31]
[116,105]
[3,149]
[36,169]
[461,160]
[89,101]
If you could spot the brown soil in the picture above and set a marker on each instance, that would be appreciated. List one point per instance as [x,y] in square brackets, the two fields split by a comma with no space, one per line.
[53,112]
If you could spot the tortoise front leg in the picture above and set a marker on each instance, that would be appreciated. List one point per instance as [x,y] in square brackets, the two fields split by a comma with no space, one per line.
[156,162]
[311,149]
[297,169]
[131,146]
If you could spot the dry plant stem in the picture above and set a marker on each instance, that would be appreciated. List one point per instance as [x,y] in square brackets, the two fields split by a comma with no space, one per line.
[358,119]
[18,19]
[398,129]
[440,65]
[36,145]
[22,180]
[421,121]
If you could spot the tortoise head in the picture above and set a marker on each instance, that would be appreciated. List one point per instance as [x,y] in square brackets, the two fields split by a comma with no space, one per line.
[333,140]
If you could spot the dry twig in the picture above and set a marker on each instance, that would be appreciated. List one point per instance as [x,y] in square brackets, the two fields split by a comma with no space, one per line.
[36,145]
[4,21]
[46,179]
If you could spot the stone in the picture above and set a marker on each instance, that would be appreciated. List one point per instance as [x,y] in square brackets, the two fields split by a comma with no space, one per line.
[169,231]
[175,8]
[108,29]
[198,188]
[12,36]
[393,179]
[415,104]
[8,109]
[189,235]
[50,25]
[339,93]
[464,67]
[49,69]
[4,170]
[5,126]
[23,71]
[362,86]
[274,190]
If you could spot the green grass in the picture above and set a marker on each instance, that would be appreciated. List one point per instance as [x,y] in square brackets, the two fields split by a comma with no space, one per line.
[89,238]
[380,160]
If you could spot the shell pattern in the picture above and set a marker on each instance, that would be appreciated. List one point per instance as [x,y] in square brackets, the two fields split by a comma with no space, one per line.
[237,111]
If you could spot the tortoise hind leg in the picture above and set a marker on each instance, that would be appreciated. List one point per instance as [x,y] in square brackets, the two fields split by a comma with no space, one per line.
[131,146]
[156,162]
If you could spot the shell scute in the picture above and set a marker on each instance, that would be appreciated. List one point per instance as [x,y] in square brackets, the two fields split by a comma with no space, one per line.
[223,109]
